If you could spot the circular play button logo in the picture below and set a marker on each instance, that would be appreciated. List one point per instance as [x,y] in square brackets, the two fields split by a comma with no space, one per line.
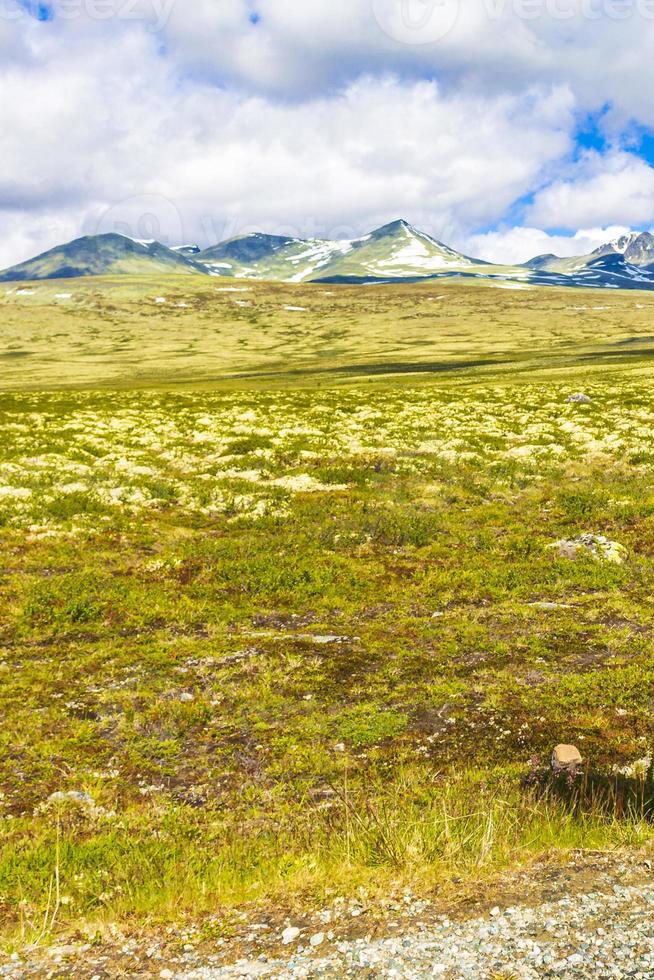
[416,21]
[144,217]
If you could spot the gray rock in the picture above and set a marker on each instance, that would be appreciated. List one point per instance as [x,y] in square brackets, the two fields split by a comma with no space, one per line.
[73,796]
[593,545]
[580,399]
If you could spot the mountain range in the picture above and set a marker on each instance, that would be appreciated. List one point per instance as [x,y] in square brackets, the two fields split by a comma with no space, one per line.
[397,252]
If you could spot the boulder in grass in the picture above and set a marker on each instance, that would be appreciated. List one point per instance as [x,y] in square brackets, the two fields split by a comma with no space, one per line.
[595,545]
[580,399]
[566,758]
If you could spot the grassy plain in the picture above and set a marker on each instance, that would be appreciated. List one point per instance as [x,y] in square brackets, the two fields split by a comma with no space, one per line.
[181,330]
[277,594]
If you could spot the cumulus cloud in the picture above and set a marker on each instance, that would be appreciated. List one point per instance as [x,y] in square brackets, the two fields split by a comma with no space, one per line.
[604,188]
[204,119]
[114,136]
[517,245]
[488,45]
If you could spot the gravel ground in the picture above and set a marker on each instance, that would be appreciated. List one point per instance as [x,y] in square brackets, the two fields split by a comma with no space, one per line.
[589,917]
[593,935]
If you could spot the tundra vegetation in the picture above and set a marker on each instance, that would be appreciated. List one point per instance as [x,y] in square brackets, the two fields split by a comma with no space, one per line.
[284,609]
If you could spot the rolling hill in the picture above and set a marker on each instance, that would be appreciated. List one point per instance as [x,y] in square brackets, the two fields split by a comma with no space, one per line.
[98,255]
[259,256]
[396,252]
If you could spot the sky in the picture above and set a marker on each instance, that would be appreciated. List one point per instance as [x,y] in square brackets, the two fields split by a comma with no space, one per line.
[506,128]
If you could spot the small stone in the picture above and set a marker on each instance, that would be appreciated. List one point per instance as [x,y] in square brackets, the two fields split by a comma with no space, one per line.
[317,939]
[290,935]
[566,758]
[186,697]
[592,545]
[166,974]
[340,747]
[251,968]
[63,951]
[580,399]
[73,796]
[549,605]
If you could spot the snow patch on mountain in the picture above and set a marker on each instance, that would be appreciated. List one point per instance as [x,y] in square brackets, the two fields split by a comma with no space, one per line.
[416,255]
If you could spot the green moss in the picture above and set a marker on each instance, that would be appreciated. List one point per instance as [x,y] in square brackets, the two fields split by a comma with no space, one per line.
[255,574]
[366,725]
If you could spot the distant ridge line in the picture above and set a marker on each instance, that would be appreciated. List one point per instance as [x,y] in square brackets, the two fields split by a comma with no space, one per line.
[394,253]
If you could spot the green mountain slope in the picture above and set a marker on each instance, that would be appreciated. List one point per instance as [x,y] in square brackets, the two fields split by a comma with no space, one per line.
[394,253]
[96,255]
[397,251]
[259,256]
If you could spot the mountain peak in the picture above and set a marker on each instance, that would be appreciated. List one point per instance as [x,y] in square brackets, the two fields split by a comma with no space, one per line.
[637,247]
[633,238]
[541,261]
[393,228]
[107,254]
[395,252]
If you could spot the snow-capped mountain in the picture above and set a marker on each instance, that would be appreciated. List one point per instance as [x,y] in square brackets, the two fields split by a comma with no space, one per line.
[259,256]
[636,248]
[608,271]
[397,252]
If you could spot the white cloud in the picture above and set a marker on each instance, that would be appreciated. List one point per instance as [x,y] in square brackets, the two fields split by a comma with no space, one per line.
[91,128]
[318,120]
[602,49]
[603,189]
[518,245]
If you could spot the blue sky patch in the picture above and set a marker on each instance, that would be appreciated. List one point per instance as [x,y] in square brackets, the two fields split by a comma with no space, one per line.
[39,11]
